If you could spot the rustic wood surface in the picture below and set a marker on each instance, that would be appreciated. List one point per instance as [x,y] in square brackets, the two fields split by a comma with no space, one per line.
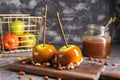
[79,73]
[110,76]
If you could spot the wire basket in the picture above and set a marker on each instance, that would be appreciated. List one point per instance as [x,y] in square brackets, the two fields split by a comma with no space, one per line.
[33,25]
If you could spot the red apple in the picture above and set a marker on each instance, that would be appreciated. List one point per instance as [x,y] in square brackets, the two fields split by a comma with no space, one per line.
[10,41]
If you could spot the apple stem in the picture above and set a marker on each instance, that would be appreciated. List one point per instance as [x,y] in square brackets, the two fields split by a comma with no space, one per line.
[110,21]
[44,31]
[61,29]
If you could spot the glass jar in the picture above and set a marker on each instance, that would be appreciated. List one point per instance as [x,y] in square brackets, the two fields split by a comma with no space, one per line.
[96,41]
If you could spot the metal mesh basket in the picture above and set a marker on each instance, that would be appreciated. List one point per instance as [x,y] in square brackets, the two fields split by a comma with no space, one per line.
[33,24]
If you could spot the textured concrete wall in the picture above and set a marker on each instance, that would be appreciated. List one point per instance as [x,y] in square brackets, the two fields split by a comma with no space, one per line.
[117,25]
[75,15]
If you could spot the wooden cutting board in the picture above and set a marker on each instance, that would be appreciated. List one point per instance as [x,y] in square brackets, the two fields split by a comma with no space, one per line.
[85,71]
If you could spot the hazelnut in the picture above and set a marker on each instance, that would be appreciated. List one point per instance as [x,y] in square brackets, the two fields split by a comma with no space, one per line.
[101,61]
[46,77]
[23,62]
[90,58]
[37,64]
[106,63]
[59,79]
[96,62]
[21,73]
[31,78]
[46,64]
[114,64]
[20,76]
[71,66]
[95,59]
[106,57]
[60,68]
[55,66]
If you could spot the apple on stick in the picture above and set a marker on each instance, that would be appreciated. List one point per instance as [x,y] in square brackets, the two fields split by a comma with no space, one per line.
[68,54]
[71,54]
[43,52]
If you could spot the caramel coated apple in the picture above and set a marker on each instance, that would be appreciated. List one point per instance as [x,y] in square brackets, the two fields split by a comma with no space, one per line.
[41,54]
[70,54]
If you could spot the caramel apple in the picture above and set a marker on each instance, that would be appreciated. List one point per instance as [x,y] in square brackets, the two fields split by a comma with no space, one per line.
[42,54]
[68,56]
[71,54]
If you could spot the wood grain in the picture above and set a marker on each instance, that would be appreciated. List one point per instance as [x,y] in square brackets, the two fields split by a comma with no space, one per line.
[110,75]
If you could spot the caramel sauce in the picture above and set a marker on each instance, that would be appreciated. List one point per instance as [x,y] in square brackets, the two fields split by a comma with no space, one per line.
[96,49]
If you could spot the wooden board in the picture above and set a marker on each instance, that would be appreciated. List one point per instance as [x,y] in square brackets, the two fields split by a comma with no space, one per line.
[85,71]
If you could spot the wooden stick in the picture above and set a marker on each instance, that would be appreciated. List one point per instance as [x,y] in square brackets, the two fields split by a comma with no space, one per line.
[61,29]
[110,21]
[44,31]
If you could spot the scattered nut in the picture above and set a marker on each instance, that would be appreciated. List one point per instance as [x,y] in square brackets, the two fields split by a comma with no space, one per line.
[64,67]
[21,73]
[59,79]
[60,68]
[46,77]
[114,64]
[20,76]
[31,78]
[46,64]
[55,65]
[95,59]
[96,62]
[70,66]
[106,63]
[37,64]
[23,62]
[107,57]
[90,58]
[101,61]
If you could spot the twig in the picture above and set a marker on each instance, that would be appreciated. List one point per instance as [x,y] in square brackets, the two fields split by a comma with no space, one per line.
[61,29]
[44,31]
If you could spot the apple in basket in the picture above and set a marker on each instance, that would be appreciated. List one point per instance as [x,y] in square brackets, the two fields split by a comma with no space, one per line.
[10,41]
[17,27]
[28,40]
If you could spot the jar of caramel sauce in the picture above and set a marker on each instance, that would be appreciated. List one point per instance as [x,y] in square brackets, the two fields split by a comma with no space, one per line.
[96,41]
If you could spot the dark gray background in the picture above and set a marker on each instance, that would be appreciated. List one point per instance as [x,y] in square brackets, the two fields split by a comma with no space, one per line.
[75,15]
